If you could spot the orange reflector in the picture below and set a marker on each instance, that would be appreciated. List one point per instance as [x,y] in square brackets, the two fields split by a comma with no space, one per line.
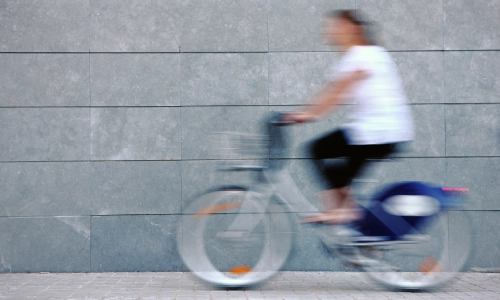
[216,208]
[430,265]
[241,269]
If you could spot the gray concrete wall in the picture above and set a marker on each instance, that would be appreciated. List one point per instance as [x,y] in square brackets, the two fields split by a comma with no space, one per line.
[105,106]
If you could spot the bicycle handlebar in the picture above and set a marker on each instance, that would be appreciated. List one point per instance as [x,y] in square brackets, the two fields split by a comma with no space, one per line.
[278,120]
[277,138]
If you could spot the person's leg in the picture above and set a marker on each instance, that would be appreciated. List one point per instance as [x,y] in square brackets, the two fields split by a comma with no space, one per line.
[333,145]
[339,205]
[347,210]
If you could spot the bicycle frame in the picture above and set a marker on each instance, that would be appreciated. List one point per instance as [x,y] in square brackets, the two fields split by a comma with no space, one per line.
[253,206]
[276,180]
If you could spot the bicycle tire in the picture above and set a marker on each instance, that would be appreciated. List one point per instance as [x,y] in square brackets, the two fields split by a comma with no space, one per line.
[217,253]
[420,265]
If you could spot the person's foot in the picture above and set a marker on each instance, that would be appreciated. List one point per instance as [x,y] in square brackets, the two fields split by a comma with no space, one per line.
[336,216]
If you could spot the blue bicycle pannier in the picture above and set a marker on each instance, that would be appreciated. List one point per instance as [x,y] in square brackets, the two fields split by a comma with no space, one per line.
[400,209]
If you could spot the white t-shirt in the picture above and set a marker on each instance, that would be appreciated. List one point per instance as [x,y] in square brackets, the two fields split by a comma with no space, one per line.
[380,114]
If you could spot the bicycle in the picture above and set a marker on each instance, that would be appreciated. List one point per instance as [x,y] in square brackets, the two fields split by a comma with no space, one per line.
[238,236]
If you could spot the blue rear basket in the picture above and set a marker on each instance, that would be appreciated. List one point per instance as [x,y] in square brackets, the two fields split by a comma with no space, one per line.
[381,223]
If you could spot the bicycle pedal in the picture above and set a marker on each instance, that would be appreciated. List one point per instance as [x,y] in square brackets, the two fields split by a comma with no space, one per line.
[351,256]
[345,231]
[416,238]
[364,240]
[335,235]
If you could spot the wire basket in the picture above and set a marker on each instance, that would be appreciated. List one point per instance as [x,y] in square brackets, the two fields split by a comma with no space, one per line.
[240,145]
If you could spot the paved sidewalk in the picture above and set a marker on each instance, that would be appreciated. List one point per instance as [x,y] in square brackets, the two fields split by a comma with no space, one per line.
[179,285]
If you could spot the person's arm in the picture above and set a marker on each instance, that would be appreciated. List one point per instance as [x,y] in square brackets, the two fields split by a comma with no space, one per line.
[329,97]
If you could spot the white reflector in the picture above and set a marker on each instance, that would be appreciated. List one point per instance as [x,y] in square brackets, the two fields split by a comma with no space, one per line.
[411,205]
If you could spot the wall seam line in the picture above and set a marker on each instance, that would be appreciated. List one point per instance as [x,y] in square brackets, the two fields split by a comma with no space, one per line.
[90,144]
[443,25]
[180,61]
[268,52]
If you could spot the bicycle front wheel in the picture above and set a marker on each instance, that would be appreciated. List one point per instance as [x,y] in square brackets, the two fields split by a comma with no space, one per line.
[423,260]
[230,238]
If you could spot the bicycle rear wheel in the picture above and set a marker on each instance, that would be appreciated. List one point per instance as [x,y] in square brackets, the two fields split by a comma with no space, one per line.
[229,238]
[422,260]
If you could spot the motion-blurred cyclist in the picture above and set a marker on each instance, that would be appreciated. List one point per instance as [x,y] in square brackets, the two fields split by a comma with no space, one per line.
[367,78]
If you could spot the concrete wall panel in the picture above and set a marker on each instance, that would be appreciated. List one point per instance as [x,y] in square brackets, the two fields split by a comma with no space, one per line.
[55,134]
[296,25]
[471,24]
[145,243]
[54,244]
[405,24]
[471,77]
[135,26]
[136,188]
[44,80]
[485,253]
[136,134]
[472,130]
[135,79]
[224,79]
[479,174]
[44,189]
[429,132]
[295,77]
[422,74]
[44,26]
[224,26]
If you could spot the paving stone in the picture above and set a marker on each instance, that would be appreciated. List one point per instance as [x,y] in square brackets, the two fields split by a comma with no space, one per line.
[285,285]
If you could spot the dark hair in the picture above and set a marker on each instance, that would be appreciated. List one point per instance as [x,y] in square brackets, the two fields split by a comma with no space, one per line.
[346,14]
[354,16]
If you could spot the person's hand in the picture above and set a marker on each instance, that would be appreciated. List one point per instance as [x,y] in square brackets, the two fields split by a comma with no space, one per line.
[299,117]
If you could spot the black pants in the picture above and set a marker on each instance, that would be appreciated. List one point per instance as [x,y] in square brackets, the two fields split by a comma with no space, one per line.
[335,145]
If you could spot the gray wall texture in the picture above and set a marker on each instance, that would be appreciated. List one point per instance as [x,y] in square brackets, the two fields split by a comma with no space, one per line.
[105,107]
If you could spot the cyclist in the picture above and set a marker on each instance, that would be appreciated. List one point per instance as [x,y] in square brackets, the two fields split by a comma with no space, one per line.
[366,77]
